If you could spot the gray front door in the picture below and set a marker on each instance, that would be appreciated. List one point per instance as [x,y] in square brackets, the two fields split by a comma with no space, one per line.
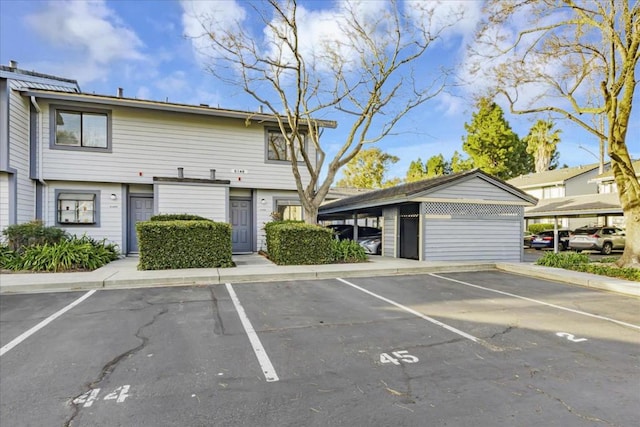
[140,209]
[241,227]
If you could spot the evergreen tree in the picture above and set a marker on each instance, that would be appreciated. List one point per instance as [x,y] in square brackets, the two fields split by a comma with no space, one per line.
[458,164]
[367,169]
[492,145]
[437,166]
[417,171]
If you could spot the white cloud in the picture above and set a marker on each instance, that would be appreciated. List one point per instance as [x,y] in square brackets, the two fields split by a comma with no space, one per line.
[324,30]
[90,28]
[200,17]
[173,83]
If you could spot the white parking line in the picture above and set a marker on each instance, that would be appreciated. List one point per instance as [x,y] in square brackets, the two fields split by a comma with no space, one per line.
[44,323]
[559,307]
[258,349]
[422,316]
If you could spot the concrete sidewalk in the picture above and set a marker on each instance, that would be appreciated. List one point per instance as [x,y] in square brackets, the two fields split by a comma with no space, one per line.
[123,273]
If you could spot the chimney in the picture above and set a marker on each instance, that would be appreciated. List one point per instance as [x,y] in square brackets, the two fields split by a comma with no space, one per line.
[180,173]
[13,64]
[120,92]
[213,173]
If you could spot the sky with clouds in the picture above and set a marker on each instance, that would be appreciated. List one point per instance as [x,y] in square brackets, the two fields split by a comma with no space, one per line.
[142,47]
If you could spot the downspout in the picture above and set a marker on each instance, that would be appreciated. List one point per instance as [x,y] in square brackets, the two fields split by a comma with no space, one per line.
[40,142]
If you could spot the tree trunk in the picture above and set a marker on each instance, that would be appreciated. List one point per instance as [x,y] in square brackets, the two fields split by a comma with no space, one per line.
[311,213]
[631,254]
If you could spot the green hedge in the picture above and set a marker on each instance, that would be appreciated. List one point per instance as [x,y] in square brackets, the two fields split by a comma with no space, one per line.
[178,217]
[538,228]
[175,244]
[297,243]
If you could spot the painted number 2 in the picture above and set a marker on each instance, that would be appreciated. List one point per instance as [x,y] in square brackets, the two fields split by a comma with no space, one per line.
[570,337]
[398,356]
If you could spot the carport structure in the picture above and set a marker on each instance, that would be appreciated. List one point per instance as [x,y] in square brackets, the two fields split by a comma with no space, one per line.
[459,217]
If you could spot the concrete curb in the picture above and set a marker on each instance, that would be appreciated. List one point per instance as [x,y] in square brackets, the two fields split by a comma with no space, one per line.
[124,276]
[587,280]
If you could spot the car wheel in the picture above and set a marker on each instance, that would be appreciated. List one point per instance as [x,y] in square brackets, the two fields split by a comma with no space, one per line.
[578,250]
[537,249]
[607,248]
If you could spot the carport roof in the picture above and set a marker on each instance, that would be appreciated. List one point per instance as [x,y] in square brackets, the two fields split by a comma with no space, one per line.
[584,205]
[372,201]
[550,177]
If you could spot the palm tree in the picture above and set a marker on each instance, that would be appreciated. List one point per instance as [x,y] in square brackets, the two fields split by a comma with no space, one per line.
[541,143]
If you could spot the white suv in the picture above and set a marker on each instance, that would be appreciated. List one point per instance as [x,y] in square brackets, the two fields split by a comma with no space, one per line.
[603,239]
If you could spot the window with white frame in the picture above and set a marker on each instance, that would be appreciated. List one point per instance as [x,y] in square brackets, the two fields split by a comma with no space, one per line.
[277,149]
[552,192]
[77,208]
[81,129]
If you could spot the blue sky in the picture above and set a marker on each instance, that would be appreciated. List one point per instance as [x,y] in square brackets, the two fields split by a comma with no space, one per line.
[140,46]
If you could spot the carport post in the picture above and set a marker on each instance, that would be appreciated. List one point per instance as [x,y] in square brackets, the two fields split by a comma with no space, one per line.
[355,226]
[555,234]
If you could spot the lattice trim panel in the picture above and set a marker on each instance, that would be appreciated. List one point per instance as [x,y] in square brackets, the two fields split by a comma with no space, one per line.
[471,210]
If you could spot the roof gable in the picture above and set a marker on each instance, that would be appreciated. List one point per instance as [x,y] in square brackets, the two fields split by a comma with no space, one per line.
[555,176]
[415,190]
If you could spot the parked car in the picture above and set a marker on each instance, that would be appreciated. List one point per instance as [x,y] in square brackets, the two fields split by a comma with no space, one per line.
[527,237]
[544,240]
[603,239]
[345,231]
[370,238]
[372,244]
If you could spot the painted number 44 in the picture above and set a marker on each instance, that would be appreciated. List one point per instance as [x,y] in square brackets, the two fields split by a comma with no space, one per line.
[87,399]
[397,357]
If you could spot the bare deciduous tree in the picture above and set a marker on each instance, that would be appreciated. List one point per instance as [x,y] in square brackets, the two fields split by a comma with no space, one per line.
[547,63]
[363,72]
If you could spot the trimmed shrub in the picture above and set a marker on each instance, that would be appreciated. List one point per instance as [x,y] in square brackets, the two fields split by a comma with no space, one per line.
[538,228]
[33,233]
[179,244]
[347,251]
[178,217]
[298,243]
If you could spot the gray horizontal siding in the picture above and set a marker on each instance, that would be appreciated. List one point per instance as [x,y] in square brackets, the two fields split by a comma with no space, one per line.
[475,188]
[207,201]
[19,155]
[4,202]
[389,232]
[157,143]
[473,240]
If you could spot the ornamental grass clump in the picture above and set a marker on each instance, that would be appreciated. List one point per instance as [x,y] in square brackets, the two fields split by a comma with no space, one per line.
[70,254]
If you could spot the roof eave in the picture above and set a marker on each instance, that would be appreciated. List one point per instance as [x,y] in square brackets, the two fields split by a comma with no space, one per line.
[161,106]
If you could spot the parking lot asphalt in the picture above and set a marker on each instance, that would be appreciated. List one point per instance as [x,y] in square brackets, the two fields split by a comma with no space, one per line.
[456,349]
[123,273]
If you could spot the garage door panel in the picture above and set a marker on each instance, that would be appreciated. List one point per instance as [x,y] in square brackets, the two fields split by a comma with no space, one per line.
[467,240]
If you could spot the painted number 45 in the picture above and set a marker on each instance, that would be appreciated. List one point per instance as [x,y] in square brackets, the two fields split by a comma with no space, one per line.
[398,356]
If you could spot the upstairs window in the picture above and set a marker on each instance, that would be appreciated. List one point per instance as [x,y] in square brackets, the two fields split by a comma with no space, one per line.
[77,208]
[277,149]
[81,129]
